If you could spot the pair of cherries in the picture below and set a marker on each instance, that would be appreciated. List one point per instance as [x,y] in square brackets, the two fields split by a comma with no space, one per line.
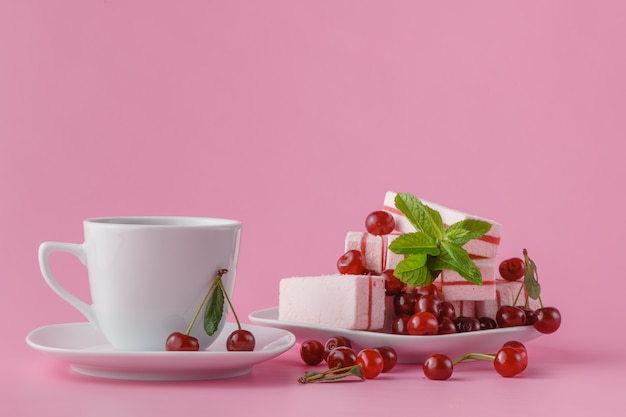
[509,361]
[238,340]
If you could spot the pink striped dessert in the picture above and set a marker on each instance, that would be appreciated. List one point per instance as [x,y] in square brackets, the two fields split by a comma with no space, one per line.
[484,247]
[462,308]
[375,250]
[455,287]
[354,302]
[506,291]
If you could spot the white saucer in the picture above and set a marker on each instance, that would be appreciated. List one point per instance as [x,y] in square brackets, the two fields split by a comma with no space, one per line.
[88,353]
[410,349]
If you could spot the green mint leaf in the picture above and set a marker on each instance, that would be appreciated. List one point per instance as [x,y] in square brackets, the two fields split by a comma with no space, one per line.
[531,283]
[413,270]
[421,216]
[414,243]
[214,310]
[462,232]
[455,258]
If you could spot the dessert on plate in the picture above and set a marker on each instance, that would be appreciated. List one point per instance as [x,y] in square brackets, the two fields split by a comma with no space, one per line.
[420,245]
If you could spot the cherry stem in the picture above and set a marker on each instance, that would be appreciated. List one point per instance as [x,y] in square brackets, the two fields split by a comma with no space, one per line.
[475,356]
[521,287]
[339,373]
[221,284]
[218,280]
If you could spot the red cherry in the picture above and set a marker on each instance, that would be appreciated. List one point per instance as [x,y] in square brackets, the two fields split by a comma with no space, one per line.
[428,303]
[511,269]
[422,323]
[352,262]
[181,342]
[393,285]
[509,316]
[430,289]
[467,324]
[380,223]
[508,361]
[404,303]
[335,342]
[521,349]
[240,340]
[341,357]
[446,326]
[487,323]
[530,315]
[371,363]
[390,357]
[312,352]
[438,367]
[399,323]
[446,309]
[547,319]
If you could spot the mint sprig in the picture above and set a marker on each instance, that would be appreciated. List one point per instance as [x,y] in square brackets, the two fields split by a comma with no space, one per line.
[433,247]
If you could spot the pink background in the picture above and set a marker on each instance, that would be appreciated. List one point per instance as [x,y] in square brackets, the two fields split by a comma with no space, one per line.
[296,118]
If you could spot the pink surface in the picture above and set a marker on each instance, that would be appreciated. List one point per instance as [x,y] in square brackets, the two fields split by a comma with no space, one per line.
[296,118]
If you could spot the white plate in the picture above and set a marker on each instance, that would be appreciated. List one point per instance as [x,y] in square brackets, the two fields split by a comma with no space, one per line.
[410,349]
[88,353]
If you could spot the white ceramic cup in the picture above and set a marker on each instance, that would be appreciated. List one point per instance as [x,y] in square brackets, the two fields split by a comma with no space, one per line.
[149,275]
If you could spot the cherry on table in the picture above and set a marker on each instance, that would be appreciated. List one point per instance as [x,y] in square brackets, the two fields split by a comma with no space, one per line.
[335,342]
[371,363]
[181,342]
[341,357]
[508,361]
[521,349]
[389,355]
[438,367]
[312,352]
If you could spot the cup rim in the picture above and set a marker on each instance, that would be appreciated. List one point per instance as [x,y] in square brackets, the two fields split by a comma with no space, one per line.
[162,221]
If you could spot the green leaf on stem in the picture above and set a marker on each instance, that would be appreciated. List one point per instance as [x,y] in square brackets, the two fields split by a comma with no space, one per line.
[531,277]
[214,310]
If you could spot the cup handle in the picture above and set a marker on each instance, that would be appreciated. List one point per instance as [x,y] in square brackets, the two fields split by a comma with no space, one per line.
[77,249]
